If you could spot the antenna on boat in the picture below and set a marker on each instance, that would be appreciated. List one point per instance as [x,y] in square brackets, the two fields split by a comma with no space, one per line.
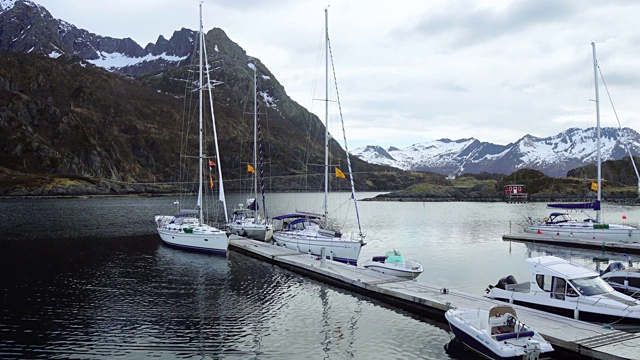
[326,114]
[595,76]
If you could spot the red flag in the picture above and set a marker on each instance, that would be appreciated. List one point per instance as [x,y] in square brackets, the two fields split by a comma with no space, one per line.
[211,163]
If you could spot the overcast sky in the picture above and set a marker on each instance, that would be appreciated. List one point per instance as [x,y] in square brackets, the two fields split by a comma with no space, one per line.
[415,71]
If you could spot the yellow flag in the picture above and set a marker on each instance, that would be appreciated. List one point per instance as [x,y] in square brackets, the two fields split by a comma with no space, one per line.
[594,186]
[339,173]
[210,181]
[250,169]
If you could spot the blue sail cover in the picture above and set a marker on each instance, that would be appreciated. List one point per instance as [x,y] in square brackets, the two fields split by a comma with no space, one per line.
[568,206]
[298,216]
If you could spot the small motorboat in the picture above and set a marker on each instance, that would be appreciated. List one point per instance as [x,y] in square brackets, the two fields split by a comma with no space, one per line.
[393,263]
[624,280]
[497,333]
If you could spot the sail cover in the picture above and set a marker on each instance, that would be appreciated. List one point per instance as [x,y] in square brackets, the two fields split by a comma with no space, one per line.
[576,206]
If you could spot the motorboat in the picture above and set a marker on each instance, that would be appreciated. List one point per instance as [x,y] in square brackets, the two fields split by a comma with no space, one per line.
[497,333]
[624,280]
[568,289]
[393,263]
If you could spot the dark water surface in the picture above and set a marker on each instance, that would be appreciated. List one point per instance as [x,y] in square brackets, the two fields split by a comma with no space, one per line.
[90,279]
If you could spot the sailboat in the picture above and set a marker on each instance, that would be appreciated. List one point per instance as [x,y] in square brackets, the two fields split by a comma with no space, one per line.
[189,228]
[247,221]
[309,232]
[561,223]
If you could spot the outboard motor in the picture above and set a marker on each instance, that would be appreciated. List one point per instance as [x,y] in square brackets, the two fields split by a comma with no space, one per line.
[502,283]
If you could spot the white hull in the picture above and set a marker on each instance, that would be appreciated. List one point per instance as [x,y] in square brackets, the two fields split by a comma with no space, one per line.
[581,230]
[599,310]
[307,241]
[262,232]
[192,236]
[408,269]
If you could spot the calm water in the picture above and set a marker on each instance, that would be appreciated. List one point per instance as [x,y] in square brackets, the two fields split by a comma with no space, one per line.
[90,279]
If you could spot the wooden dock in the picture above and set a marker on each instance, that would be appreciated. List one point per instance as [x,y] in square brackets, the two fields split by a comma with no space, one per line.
[569,337]
[570,241]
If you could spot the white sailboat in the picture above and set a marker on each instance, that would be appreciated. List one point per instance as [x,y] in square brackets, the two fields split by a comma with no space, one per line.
[560,223]
[247,221]
[189,229]
[308,232]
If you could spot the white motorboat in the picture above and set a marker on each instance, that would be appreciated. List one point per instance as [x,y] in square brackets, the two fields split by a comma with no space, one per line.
[393,263]
[189,229]
[308,232]
[562,287]
[562,224]
[625,280]
[497,333]
[247,221]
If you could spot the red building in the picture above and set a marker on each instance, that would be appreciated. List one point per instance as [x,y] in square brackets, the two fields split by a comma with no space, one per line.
[515,192]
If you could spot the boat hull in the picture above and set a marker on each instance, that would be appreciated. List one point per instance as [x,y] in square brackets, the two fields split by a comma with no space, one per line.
[622,320]
[213,242]
[393,270]
[337,248]
[625,234]
[260,232]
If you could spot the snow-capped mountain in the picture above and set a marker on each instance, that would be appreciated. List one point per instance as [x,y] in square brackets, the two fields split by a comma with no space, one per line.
[28,27]
[554,155]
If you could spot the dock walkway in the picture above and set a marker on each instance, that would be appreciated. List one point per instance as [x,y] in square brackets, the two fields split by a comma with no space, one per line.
[568,336]
[570,241]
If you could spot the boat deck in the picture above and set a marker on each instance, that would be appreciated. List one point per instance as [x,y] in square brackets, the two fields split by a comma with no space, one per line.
[570,241]
[571,337]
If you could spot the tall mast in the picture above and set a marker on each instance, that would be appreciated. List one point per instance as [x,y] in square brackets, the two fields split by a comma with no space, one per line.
[595,76]
[326,114]
[255,135]
[200,120]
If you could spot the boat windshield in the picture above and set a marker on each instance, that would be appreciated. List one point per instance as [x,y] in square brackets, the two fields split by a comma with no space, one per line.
[591,286]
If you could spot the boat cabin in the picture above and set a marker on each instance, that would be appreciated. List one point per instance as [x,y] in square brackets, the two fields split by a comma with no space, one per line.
[560,279]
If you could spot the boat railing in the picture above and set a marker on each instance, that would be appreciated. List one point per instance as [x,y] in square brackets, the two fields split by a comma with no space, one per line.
[521,287]
[355,235]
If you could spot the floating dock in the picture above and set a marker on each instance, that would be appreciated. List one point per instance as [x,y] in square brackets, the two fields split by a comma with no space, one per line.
[571,241]
[569,337]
